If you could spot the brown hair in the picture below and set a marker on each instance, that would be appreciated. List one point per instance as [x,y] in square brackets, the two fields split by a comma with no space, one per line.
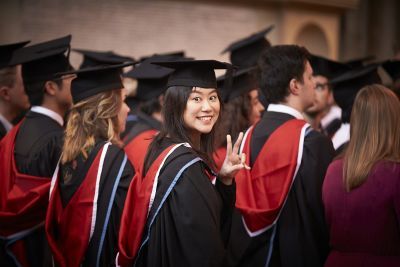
[375,133]
[90,119]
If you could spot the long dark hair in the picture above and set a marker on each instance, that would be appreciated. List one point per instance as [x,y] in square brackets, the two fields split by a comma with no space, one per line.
[175,101]
[234,119]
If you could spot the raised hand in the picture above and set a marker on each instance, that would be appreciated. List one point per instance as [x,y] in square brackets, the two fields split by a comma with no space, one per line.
[233,160]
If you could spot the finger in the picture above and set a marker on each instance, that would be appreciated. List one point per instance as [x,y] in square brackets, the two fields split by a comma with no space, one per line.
[228,145]
[243,161]
[237,143]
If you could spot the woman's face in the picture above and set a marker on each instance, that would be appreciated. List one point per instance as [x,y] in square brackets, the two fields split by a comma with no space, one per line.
[123,112]
[256,107]
[202,110]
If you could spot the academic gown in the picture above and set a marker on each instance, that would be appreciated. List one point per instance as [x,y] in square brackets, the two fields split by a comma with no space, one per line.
[38,145]
[144,123]
[3,131]
[68,190]
[193,225]
[300,237]
[37,150]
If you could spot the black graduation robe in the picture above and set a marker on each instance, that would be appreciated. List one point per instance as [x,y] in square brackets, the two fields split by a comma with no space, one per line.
[37,150]
[38,145]
[3,130]
[114,159]
[300,237]
[144,123]
[193,225]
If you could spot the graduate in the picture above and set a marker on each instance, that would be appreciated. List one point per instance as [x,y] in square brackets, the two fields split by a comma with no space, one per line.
[89,186]
[30,152]
[345,88]
[13,99]
[178,212]
[151,86]
[281,220]
[242,108]
[324,115]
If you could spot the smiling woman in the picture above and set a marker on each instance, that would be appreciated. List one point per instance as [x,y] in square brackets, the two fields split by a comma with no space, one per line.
[179,212]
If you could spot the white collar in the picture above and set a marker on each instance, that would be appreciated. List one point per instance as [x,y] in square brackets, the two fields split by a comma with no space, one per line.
[49,113]
[285,109]
[7,125]
[341,136]
[334,113]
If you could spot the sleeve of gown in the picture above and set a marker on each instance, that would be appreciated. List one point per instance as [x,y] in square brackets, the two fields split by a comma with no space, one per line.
[228,196]
[317,155]
[187,231]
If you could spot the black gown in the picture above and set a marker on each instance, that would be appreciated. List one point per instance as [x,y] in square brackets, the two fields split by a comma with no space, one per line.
[112,163]
[301,235]
[37,150]
[193,226]
[144,123]
[38,145]
[3,130]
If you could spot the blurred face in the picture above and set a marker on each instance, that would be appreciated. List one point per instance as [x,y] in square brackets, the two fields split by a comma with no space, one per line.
[307,87]
[322,95]
[18,97]
[123,112]
[63,95]
[202,111]
[256,107]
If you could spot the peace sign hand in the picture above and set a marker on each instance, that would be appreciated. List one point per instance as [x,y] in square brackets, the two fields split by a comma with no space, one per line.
[233,160]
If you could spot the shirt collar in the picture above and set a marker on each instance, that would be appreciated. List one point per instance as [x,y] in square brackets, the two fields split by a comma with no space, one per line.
[7,125]
[49,113]
[285,109]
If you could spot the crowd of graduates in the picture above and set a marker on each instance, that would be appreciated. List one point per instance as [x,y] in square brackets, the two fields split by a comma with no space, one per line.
[288,159]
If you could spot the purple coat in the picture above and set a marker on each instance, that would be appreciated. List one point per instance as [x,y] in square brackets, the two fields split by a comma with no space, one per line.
[364,224]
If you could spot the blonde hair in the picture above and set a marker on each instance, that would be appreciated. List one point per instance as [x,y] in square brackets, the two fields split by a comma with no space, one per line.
[90,119]
[375,133]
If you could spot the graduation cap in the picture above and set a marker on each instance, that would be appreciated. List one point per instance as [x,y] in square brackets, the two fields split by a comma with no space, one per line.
[99,58]
[152,79]
[7,51]
[392,67]
[243,81]
[359,62]
[326,67]
[246,51]
[91,81]
[347,85]
[42,61]
[194,73]
[175,54]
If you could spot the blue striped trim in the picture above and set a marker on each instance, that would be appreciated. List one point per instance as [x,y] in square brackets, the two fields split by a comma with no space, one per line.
[308,130]
[103,233]
[271,246]
[174,181]
[132,118]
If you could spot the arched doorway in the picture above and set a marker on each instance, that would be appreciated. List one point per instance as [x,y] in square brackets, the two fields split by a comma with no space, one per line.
[314,39]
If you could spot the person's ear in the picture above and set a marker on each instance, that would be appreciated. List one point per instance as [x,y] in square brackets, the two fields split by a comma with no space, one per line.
[294,87]
[50,88]
[5,93]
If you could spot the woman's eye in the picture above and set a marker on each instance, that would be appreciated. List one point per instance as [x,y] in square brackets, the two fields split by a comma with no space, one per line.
[213,98]
[196,99]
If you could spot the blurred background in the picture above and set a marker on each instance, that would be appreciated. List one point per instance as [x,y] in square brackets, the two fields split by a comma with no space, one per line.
[337,29]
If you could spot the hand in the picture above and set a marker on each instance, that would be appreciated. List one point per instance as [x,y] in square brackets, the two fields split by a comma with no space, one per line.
[233,160]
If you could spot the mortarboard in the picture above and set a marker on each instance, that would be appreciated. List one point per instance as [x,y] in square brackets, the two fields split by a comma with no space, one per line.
[392,67]
[245,52]
[99,58]
[326,67]
[7,51]
[194,73]
[359,62]
[91,81]
[152,79]
[40,62]
[175,54]
[347,85]
[243,81]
